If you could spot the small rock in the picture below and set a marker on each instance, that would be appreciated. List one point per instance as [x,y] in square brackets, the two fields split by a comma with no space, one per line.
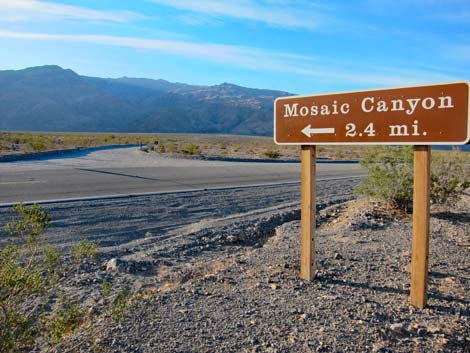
[433,329]
[149,235]
[232,238]
[338,256]
[442,341]
[421,331]
[112,265]
[273,286]
[398,328]
[305,316]
[379,346]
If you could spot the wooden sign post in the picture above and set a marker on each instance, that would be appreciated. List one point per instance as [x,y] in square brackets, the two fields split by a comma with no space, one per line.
[418,115]
[420,244]
[307,213]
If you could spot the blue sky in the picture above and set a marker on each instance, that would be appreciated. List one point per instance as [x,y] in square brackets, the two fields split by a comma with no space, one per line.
[297,46]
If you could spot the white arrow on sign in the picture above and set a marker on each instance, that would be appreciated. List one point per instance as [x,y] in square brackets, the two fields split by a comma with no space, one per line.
[308,131]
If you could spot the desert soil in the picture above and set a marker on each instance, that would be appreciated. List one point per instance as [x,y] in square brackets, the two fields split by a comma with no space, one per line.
[217,271]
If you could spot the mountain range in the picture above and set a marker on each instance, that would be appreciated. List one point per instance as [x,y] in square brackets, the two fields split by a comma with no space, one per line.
[50,98]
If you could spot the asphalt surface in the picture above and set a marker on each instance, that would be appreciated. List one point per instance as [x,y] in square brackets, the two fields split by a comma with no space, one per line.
[126,171]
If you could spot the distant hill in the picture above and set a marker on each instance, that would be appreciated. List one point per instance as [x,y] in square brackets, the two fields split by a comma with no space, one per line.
[49,98]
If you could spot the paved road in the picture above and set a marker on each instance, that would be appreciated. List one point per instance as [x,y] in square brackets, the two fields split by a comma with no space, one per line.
[127,171]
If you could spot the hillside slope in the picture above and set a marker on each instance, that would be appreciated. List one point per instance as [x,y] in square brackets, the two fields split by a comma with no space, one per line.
[49,98]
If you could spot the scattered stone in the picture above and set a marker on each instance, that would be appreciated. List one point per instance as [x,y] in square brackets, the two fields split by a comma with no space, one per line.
[149,235]
[421,331]
[338,256]
[112,265]
[442,341]
[228,307]
[380,346]
[433,329]
[398,328]
[232,238]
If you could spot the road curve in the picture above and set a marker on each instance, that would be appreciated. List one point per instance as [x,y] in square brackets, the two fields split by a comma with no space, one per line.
[127,171]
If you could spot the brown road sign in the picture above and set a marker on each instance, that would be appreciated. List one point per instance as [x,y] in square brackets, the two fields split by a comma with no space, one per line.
[419,115]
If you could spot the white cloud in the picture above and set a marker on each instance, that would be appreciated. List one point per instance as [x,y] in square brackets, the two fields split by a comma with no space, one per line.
[253,59]
[277,13]
[25,10]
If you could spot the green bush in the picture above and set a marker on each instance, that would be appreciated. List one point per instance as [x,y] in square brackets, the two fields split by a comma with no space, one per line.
[119,304]
[65,319]
[83,250]
[173,148]
[450,176]
[106,288]
[390,176]
[29,268]
[274,154]
[38,145]
[190,149]
[22,269]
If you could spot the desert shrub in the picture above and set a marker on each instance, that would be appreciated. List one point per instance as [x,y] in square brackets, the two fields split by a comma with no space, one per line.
[191,149]
[52,262]
[64,319]
[83,250]
[27,138]
[450,176]
[171,147]
[29,225]
[339,154]
[390,176]
[161,148]
[29,270]
[22,271]
[274,154]
[106,288]
[119,304]
[38,144]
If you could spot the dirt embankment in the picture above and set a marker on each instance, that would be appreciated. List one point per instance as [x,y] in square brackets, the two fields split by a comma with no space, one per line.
[241,292]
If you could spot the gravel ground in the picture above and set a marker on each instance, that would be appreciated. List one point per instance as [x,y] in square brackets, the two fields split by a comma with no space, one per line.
[234,287]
